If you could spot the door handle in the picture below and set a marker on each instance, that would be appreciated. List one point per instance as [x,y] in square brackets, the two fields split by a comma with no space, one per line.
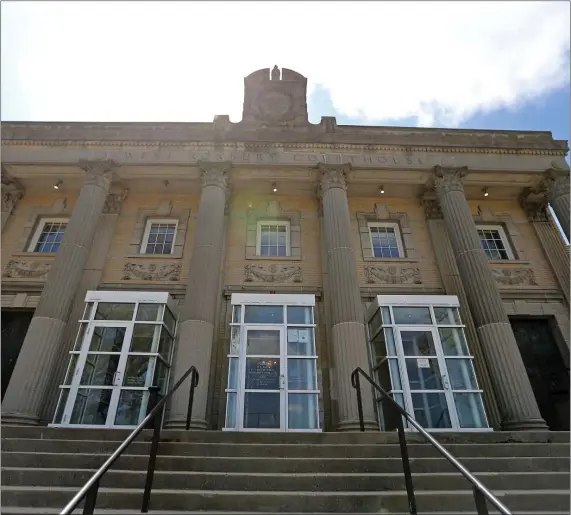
[282,382]
[117,379]
[446,382]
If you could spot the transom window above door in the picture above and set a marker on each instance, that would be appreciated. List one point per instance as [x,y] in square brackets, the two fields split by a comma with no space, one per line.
[48,235]
[386,240]
[494,242]
[273,238]
[159,236]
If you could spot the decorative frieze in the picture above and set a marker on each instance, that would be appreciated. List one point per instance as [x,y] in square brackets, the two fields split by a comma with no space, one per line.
[273,273]
[514,276]
[392,275]
[16,269]
[152,271]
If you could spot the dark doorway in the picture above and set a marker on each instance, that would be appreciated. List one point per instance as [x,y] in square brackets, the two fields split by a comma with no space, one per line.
[546,369]
[14,328]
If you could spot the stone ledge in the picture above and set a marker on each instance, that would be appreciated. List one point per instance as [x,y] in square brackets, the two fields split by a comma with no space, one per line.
[274,258]
[392,260]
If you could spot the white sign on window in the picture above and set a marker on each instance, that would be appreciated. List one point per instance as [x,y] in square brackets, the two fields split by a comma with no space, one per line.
[292,335]
[422,363]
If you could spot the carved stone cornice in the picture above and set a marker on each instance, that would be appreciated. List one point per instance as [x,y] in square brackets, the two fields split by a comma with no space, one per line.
[534,202]
[557,183]
[114,201]
[392,275]
[152,271]
[215,173]
[272,273]
[447,179]
[27,269]
[98,173]
[332,176]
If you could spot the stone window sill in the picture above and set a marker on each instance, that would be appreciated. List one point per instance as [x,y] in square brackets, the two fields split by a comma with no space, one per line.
[153,256]
[273,258]
[508,262]
[34,254]
[391,260]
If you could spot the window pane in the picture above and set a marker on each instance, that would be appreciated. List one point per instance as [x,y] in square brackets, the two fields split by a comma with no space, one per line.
[378,347]
[302,411]
[149,313]
[422,377]
[431,410]
[233,373]
[129,408]
[390,339]
[64,393]
[107,339]
[136,371]
[114,311]
[301,374]
[99,369]
[165,344]
[299,315]
[447,316]
[453,341]
[71,369]
[264,315]
[88,311]
[300,341]
[470,410]
[410,316]
[91,406]
[262,410]
[235,340]
[386,312]
[231,409]
[236,316]
[51,237]
[80,336]
[144,338]
[395,374]
[461,373]
[418,343]
[169,320]
[160,376]
[375,323]
[262,373]
[260,342]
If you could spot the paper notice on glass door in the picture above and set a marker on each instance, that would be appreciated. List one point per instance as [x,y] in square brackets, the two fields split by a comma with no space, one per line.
[422,363]
[292,335]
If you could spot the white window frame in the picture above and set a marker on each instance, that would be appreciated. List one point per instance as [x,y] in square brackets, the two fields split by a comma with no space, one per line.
[283,223]
[149,224]
[503,237]
[396,228]
[40,228]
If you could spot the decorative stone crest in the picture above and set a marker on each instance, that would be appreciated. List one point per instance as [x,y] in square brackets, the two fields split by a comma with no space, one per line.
[152,271]
[12,192]
[514,276]
[534,202]
[114,201]
[332,176]
[98,173]
[392,275]
[27,269]
[215,174]
[448,179]
[272,273]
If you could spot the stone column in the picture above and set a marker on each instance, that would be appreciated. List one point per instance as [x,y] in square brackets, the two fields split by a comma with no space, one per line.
[349,340]
[41,350]
[558,196]
[12,192]
[534,202]
[198,314]
[516,401]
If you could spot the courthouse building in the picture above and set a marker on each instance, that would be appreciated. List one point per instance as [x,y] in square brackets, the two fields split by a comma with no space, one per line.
[277,256]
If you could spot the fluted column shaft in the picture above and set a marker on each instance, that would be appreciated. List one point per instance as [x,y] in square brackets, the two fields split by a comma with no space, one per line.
[515,397]
[558,195]
[198,314]
[349,340]
[23,401]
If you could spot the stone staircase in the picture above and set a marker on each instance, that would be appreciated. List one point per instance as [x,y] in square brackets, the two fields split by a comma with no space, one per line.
[216,472]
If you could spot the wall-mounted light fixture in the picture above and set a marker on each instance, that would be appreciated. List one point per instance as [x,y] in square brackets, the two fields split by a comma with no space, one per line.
[274,187]
[57,185]
[485,190]
[381,189]
[166,183]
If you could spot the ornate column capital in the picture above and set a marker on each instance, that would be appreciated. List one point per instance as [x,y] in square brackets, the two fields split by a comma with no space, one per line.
[534,202]
[98,173]
[215,173]
[447,179]
[114,201]
[557,183]
[332,176]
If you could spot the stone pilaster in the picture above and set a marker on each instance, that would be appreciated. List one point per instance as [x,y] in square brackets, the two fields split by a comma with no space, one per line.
[198,314]
[534,202]
[452,283]
[558,196]
[515,398]
[12,192]
[23,401]
[348,335]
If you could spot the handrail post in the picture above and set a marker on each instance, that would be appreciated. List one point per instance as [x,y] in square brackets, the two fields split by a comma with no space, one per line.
[157,421]
[193,384]
[406,467]
[480,500]
[91,499]
[357,385]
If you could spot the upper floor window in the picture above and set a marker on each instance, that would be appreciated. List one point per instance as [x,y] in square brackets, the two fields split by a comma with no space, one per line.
[494,242]
[48,235]
[273,239]
[159,237]
[386,240]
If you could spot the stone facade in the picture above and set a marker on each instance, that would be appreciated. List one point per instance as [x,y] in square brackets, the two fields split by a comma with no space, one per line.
[217,181]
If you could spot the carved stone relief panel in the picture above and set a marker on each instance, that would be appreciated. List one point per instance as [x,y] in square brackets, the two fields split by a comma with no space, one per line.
[272,213]
[164,210]
[152,271]
[392,275]
[17,269]
[273,273]
[514,276]
[486,215]
[382,213]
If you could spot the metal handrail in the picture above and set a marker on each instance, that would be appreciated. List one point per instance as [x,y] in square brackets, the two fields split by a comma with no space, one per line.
[90,489]
[481,493]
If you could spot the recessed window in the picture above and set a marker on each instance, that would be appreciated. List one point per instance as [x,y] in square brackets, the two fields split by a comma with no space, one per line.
[494,242]
[273,239]
[159,237]
[48,235]
[386,240]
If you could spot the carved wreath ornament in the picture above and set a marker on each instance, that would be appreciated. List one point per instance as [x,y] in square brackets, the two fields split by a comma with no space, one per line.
[151,271]
[392,275]
[272,273]
[514,276]
[27,269]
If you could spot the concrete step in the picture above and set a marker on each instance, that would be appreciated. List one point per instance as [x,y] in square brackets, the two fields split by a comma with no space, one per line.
[283,465]
[283,482]
[283,438]
[288,450]
[279,502]
[56,511]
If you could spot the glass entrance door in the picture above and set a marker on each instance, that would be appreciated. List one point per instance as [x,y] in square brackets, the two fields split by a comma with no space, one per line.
[263,379]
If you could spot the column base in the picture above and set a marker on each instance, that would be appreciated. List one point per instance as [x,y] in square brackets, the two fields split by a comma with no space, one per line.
[20,419]
[195,424]
[354,426]
[525,425]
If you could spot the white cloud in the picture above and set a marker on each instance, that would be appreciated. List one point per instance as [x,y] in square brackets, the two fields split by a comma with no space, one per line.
[185,61]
